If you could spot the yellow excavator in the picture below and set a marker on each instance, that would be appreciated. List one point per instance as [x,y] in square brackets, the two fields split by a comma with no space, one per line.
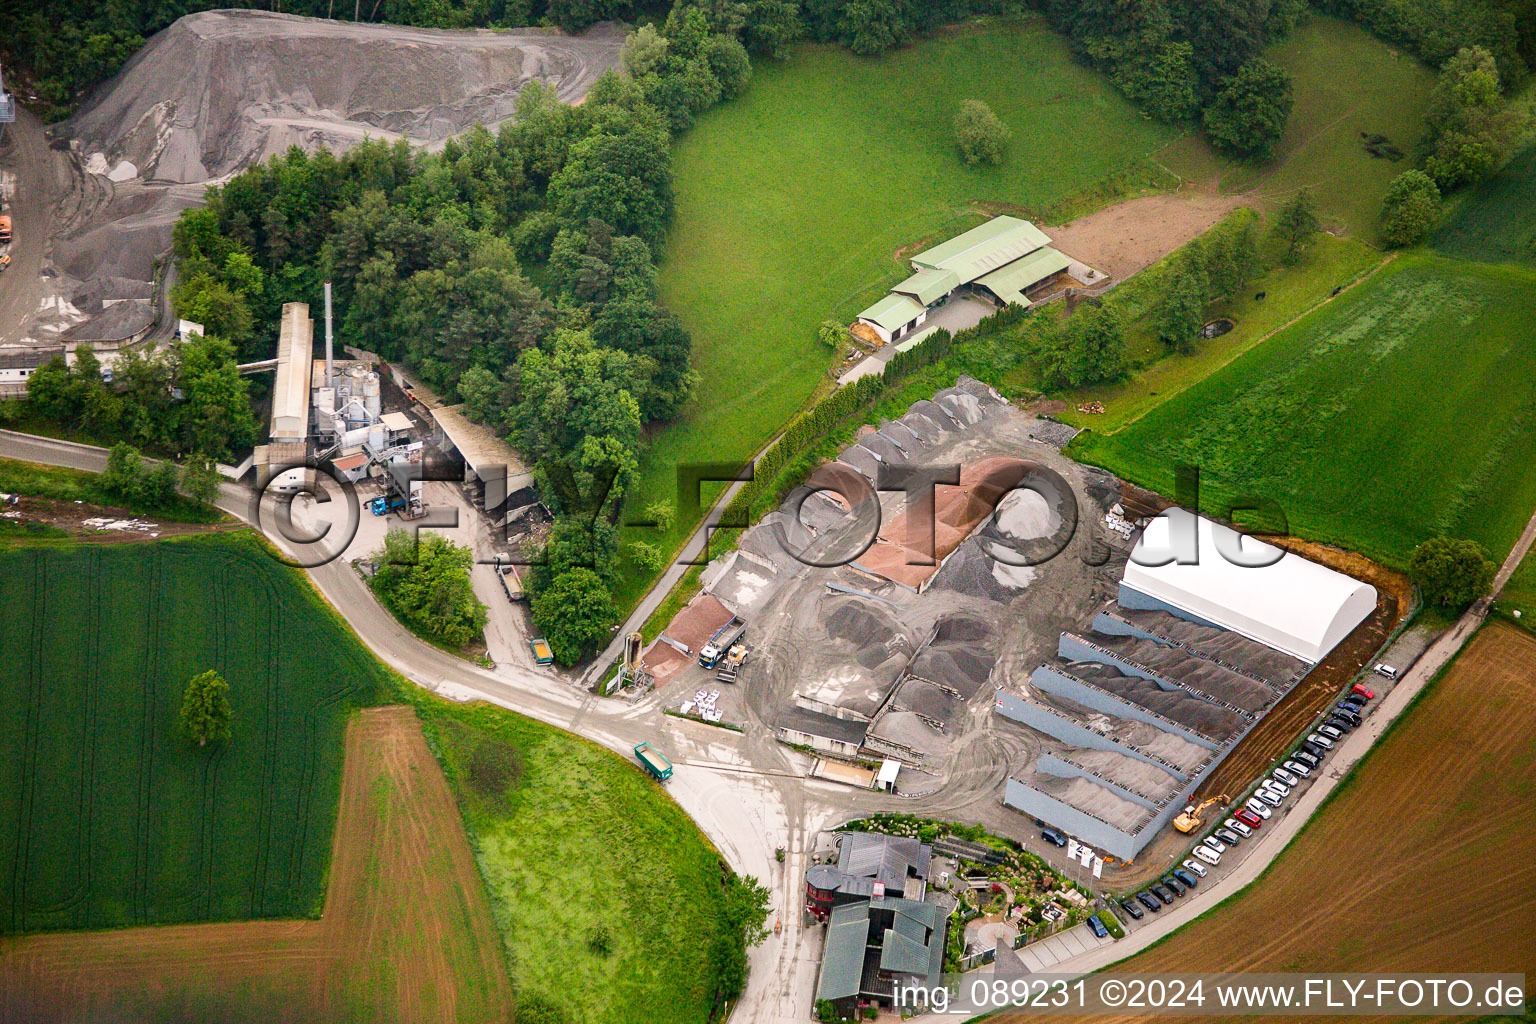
[1190,819]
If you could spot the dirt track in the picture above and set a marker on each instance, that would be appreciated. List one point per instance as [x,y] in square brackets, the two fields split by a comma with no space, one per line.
[1421,863]
[406,933]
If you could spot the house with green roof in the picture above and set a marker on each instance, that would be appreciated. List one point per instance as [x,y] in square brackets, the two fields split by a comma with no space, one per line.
[1002,259]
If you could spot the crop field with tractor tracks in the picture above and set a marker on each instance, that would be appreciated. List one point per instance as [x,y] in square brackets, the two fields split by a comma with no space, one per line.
[114,817]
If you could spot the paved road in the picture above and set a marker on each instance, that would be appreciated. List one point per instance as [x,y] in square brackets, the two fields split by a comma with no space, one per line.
[25,155]
[746,791]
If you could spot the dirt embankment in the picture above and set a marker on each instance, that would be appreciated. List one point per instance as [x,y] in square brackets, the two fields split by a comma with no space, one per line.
[219,91]
[406,933]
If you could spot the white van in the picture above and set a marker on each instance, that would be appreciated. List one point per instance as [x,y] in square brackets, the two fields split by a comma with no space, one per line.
[1257,806]
[1269,796]
[1320,740]
[1238,827]
[1196,867]
[1208,855]
[1386,671]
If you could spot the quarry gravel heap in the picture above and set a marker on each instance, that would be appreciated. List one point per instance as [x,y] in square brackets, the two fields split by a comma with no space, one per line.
[221,90]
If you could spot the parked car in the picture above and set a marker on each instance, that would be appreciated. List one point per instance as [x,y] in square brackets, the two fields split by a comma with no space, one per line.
[1269,797]
[1195,866]
[1355,700]
[1348,713]
[1146,900]
[1172,884]
[1208,855]
[1097,926]
[1257,806]
[1308,759]
[1364,691]
[1296,768]
[1283,774]
[1132,910]
[1320,740]
[1330,733]
[1313,749]
[1053,837]
[1277,787]
[1227,836]
[1212,843]
[1187,877]
[1247,817]
[1161,892]
[1341,723]
[1233,825]
[1385,671]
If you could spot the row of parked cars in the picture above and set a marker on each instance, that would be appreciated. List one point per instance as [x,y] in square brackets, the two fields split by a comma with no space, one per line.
[1272,791]
[1303,761]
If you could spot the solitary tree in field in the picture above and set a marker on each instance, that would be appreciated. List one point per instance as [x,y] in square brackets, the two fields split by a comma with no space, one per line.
[205,711]
[1410,208]
[1451,572]
[981,136]
[1295,227]
[833,333]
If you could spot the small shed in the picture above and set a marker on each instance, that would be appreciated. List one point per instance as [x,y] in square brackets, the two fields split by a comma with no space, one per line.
[894,315]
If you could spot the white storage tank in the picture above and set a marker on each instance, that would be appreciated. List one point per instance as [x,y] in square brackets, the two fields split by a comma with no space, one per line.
[371,395]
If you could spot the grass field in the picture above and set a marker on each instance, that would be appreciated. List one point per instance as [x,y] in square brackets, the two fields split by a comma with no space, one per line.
[1456,887]
[1520,593]
[1288,292]
[607,895]
[1345,82]
[77,485]
[113,817]
[793,200]
[1402,409]
[406,935]
[1497,221]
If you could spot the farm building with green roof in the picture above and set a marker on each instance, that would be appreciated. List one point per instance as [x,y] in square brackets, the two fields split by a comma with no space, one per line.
[1003,259]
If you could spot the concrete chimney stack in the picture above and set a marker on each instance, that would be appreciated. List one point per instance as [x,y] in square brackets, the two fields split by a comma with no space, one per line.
[330,376]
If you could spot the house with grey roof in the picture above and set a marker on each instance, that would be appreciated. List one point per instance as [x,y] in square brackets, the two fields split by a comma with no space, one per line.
[875,945]
[868,865]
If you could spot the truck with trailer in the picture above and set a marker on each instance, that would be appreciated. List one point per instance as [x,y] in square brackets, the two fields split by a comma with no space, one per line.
[384,504]
[726,636]
[653,761]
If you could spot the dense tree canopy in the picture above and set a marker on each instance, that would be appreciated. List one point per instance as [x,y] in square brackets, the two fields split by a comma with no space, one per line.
[1451,572]
[574,614]
[1250,112]
[1469,127]
[424,579]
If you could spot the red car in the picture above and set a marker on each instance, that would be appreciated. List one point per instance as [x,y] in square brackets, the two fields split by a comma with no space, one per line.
[1247,817]
[1364,691]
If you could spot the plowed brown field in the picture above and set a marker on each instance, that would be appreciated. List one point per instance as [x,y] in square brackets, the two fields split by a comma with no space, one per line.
[1424,859]
[406,934]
